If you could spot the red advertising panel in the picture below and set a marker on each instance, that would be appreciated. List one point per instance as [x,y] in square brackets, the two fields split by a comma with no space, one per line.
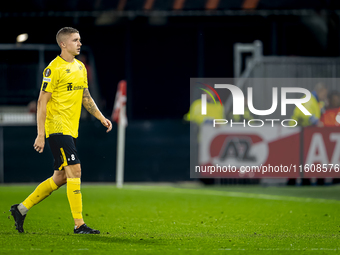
[250,152]
[321,152]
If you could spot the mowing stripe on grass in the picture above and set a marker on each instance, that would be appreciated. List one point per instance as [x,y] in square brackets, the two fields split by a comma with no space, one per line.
[183,249]
[230,194]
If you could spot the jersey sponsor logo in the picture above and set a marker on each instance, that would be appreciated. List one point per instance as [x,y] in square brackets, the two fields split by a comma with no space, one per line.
[47,79]
[44,86]
[47,72]
[70,87]
[78,87]
[68,70]
[77,191]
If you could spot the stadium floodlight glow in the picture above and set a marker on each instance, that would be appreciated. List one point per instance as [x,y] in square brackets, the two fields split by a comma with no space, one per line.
[22,37]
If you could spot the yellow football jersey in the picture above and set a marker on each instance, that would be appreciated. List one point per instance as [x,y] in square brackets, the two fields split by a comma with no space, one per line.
[304,120]
[214,111]
[66,81]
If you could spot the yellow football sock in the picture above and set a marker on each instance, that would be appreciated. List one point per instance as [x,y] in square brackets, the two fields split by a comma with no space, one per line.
[43,190]
[74,197]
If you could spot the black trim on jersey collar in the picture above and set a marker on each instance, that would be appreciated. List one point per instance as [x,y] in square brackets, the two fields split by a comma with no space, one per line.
[65,60]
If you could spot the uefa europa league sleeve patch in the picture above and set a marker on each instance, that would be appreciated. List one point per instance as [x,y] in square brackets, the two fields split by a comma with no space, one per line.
[47,72]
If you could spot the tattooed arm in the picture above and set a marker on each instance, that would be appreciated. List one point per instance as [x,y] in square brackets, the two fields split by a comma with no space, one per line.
[92,108]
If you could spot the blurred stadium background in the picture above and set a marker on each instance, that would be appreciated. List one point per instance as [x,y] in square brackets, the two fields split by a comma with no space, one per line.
[156,46]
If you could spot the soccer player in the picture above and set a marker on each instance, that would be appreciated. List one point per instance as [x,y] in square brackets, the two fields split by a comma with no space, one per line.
[314,106]
[63,92]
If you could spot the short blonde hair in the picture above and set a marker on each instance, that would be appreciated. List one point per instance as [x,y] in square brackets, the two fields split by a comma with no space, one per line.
[65,31]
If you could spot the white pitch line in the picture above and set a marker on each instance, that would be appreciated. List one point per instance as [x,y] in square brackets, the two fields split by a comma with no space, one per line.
[232,194]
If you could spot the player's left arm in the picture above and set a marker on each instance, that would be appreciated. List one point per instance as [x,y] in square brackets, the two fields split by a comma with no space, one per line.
[92,108]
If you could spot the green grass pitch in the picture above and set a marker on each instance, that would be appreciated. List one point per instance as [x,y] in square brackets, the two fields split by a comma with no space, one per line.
[142,219]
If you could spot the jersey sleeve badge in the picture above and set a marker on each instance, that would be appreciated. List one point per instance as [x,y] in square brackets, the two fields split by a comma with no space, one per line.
[47,72]
[48,82]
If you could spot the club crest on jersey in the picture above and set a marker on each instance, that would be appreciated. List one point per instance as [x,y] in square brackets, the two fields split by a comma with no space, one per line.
[47,72]
[80,67]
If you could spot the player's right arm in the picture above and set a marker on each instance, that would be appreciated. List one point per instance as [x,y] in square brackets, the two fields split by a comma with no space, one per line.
[39,143]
